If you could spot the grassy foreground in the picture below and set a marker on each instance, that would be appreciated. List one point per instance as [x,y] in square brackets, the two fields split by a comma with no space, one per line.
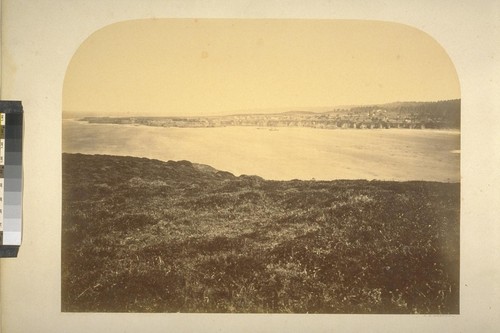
[142,235]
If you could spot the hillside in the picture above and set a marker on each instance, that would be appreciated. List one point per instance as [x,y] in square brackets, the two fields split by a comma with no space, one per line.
[142,235]
[440,114]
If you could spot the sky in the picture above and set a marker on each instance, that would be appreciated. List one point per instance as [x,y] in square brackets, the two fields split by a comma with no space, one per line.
[176,67]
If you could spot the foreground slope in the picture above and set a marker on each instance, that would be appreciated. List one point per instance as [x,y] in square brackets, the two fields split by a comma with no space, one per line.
[142,235]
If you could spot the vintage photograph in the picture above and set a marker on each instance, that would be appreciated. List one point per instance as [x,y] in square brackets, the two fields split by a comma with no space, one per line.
[261,166]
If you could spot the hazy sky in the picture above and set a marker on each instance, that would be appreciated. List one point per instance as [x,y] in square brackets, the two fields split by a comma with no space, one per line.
[206,67]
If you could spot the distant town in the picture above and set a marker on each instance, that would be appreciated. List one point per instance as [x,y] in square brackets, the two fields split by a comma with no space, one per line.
[410,115]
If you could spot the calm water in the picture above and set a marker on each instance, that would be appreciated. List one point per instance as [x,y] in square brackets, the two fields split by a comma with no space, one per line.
[282,153]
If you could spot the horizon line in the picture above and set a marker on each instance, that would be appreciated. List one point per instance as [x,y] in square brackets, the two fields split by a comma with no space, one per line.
[270,110]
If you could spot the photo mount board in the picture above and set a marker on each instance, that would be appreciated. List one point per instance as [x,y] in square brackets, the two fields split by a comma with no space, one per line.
[38,52]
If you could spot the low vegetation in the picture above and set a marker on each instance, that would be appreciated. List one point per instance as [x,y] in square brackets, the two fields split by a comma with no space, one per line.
[142,235]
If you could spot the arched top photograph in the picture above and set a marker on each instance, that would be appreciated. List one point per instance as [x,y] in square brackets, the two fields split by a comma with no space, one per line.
[260,166]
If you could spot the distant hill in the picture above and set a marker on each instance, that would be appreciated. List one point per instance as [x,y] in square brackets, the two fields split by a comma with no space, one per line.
[447,113]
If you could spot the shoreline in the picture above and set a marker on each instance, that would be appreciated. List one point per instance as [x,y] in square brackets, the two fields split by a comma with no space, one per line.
[274,128]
